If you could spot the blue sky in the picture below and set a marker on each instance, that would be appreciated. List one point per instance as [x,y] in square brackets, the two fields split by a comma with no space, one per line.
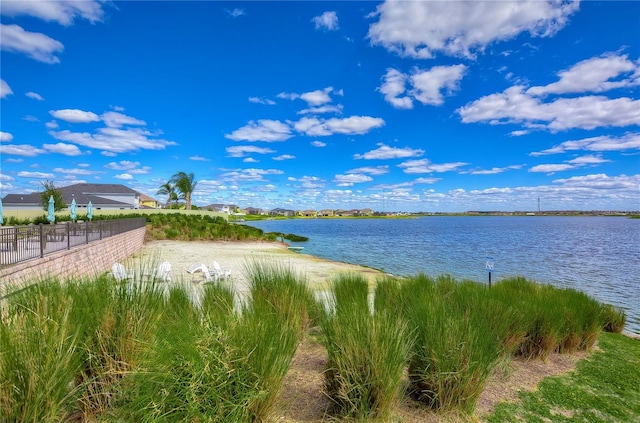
[412,106]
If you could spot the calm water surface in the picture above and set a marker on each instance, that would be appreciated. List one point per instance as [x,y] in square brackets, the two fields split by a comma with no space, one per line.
[597,255]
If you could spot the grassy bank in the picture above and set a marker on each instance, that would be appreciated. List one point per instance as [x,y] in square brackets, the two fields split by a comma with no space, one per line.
[98,350]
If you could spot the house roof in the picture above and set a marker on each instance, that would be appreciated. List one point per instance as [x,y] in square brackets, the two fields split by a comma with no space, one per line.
[83,193]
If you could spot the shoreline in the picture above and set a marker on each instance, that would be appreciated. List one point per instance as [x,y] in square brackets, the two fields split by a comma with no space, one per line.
[235,255]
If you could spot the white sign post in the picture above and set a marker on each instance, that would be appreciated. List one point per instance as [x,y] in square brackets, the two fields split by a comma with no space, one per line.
[489,265]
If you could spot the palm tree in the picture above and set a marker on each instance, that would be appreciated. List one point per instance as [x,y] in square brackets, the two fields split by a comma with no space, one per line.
[168,190]
[185,186]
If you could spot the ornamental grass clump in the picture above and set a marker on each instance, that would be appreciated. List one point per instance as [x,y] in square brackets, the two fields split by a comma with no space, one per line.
[187,373]
[552,319]
[39,356]
[367,353]
[613,318]
[456,347]
[272,325]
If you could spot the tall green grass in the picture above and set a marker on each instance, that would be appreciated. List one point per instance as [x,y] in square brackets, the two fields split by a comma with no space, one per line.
[456,346]
[142,351]
[38,359]
[367,353]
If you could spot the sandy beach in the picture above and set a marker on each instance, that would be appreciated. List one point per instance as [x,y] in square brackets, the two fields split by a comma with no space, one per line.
[235,256]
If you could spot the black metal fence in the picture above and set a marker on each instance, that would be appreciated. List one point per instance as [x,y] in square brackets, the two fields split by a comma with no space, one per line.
[20,243]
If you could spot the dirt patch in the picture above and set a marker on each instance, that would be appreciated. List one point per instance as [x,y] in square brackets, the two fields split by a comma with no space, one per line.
[302,400]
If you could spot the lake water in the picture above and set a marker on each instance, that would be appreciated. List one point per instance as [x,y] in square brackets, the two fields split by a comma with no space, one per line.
[597,255]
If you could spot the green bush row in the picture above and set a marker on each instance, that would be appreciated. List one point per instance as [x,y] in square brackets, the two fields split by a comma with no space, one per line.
[164,353]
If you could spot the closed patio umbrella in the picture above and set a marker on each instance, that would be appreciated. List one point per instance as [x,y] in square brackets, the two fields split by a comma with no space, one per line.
[51,217]
[89,211]
[1,218]
[73,209]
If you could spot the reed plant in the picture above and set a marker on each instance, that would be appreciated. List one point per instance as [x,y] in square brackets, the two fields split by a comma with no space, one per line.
[613,318]
[387,295]
[367,353]
[39,356]
[456,347]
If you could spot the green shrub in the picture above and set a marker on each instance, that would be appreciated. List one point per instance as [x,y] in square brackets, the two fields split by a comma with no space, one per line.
[613,318]
[367,354]
[456,348]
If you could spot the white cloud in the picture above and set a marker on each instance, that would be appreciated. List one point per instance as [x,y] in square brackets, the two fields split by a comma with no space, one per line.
[122,165]
[259,100]
[371,170]
[552,168]
[6,178]
[514,105]
[199,159]
[243,150]
[114,140]
[426,86]
[34,96]
[51,124]
[351,178]
[124,176]
[318,144]
[393,86]
[5,89]
[494,170]
[313,98]
[601,183]
[262,130]
[74,171]
[5,136]
[425,166]
[597,74]
[63,12]
[328,21]
[74,115]
[327,108]
[587,160]
[235,13]
[354,125]
[35,45]
[117,120]
[250,175]
[629,141]
[284,157]
[384,152]
[62,148]
[22,150]
[419,29]
[569,164]
[38,175]
[250,160]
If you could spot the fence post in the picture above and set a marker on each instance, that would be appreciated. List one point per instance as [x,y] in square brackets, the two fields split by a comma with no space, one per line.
[42,241]
[68,236]
[86,231]
[100,228]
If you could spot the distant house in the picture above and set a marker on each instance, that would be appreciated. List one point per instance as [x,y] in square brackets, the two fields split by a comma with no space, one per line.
[255,211]
[309,213]
[326,213]
[101,196]
[282,212]
[222,208]
[147,202]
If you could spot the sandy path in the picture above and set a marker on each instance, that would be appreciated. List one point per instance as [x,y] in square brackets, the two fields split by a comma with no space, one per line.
[236,255]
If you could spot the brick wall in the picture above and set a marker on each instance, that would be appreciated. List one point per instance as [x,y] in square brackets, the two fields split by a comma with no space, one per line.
[81,261]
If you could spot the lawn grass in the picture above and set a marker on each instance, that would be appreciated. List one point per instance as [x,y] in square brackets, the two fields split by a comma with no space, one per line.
[605,387]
